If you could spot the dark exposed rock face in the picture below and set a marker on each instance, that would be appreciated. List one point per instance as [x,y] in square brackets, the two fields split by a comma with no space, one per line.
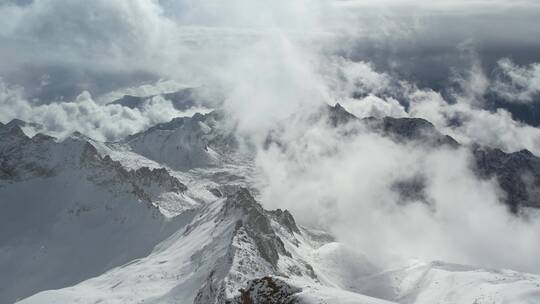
[399,129]
[141,178]
[518,174]
[337,115]
[406,129]
[285,218]
[22,157]
[226,190]
[256,247]
[21,124]
[257,225]
[159,176]
[266,290]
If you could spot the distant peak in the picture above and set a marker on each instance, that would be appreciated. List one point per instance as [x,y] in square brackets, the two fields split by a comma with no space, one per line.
[339,115]
[16,122]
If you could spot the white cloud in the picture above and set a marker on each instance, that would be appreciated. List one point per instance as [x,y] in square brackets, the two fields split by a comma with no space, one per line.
[98,121]
[517,83]
[103,33]
[344,184]
[470,124]
[373,106]
[346,78]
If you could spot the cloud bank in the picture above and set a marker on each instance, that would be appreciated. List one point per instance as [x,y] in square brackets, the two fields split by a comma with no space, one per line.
[346,184]
[104,122]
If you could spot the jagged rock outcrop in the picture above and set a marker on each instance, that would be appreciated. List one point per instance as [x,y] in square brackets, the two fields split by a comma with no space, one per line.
[265,291]
[285,218]
[225,190]
[410,129]
[518,174]
[256,224]
[399,129]
[256,248]
[22,157]
[29,128]
[337,115]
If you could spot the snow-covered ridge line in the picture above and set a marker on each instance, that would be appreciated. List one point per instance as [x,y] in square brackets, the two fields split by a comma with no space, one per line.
[227,243]
[41,156]
[62,200]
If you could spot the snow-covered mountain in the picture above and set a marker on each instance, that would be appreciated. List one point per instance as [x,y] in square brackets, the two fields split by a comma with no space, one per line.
[170,215]
[69,213]
[187,142]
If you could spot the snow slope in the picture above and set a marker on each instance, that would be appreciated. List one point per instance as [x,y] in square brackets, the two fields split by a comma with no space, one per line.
[186,142]
[228,242]
[70,214]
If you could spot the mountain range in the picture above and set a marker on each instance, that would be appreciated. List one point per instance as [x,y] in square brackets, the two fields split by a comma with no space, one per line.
[171,215]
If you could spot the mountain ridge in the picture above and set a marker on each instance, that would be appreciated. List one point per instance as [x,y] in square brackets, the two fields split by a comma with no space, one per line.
[202,236]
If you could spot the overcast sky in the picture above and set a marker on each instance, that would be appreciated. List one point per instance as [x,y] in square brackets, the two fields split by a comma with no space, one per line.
[58,48]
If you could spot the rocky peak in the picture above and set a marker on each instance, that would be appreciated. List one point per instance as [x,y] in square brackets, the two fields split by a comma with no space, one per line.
[285,218]
[159,176]
[22,157]
[15,122]
[518,174]
[400,129]
[256,252]
[256,223]
[11,130]
[407,129]
[29,128]
[337,115]
[266,290]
